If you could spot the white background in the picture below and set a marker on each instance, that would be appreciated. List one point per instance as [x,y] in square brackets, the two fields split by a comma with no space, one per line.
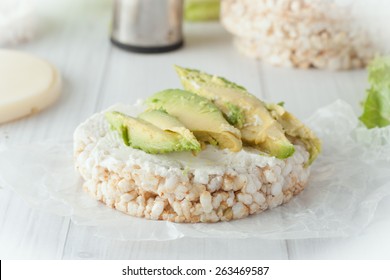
[303,270]
[74,36]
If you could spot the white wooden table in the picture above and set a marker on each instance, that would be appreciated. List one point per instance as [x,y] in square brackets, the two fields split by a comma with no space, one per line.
[75,38]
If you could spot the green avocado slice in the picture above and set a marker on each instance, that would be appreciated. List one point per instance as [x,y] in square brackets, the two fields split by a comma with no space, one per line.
[145,136]
[166,122]
[199,115]
[295,129]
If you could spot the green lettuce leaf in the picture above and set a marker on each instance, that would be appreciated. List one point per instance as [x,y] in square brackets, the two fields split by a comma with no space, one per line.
[376,107]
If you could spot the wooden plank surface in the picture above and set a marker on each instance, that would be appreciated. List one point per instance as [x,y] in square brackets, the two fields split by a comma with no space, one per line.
[83,244]
[28,233]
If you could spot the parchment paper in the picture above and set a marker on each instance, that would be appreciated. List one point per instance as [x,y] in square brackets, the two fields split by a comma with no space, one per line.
[347,182]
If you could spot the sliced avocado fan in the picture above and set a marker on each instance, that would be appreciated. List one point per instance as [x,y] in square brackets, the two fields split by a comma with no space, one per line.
[296,129]
[141,134]
[243,110]
[199,115]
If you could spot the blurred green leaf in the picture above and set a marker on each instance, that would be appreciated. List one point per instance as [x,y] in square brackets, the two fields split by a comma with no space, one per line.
[376,107]
[201,10]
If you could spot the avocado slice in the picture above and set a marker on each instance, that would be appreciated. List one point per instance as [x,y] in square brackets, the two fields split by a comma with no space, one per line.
[295,129]
[143,135]
[199,115]
[166,122]
[258,127]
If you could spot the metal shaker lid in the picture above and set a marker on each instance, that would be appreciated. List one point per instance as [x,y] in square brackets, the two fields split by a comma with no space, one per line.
[147,26]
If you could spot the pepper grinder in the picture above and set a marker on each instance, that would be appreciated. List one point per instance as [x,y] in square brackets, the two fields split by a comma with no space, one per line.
[147,26]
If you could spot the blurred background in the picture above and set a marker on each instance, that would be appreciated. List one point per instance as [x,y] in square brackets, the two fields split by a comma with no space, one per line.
[325,34]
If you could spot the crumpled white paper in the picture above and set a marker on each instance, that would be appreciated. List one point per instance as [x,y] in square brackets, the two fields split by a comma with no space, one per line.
[347,182]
